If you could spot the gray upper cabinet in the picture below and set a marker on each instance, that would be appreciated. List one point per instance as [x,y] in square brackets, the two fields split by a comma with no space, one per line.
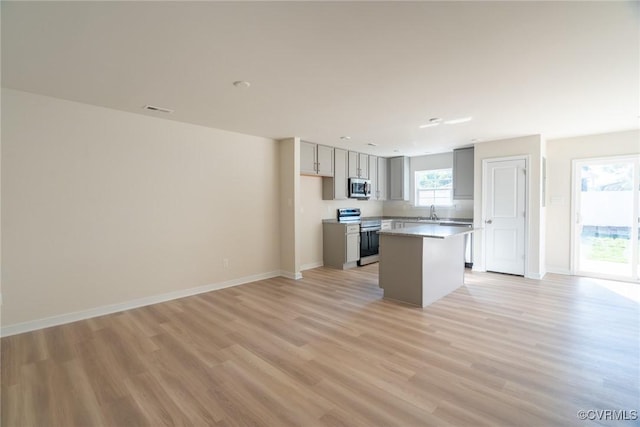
[399,178]
[463,174]
[325,160]
[308,158]
[373,176]
[358,165]
[363,162]
[383,182]
[335,188]
[316,159]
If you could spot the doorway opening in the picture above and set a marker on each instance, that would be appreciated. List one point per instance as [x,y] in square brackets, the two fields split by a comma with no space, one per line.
[606,215]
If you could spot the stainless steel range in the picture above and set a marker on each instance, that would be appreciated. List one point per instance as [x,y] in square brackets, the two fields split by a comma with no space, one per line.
[369,239]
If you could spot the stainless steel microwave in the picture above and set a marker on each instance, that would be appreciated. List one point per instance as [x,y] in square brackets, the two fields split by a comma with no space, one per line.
[359,188]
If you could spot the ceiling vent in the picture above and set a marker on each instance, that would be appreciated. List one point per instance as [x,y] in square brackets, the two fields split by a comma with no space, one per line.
[160,109]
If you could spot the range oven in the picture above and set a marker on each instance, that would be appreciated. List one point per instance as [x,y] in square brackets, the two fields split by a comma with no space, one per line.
[369,241]
[369,237]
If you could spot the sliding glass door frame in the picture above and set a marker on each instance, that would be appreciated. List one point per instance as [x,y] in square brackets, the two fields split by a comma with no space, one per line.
[576,167]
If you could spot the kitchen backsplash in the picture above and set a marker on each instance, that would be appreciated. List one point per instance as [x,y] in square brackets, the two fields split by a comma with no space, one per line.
[460,209]
[367,207]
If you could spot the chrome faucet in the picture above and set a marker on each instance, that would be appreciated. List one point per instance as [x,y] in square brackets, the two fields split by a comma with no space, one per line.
[432,213]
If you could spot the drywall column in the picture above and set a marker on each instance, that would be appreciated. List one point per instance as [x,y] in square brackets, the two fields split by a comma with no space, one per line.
[542,229]
[0,190]
[289,201]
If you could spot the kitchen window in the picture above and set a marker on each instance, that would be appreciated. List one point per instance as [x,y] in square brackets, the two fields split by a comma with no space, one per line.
[434,187]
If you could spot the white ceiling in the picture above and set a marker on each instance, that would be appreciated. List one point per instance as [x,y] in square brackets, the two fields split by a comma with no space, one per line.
[318,70]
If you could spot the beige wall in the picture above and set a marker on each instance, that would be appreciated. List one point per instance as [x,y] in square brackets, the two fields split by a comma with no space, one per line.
[101,206]
[313,210]
[560,153]
[533,147]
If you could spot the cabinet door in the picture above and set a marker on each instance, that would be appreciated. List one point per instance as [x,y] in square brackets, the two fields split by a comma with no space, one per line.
[324,164]
[363,164]
[399,178]
[307,158]
[353,164]
[353,247]
[373,176]
[463,174]
[383,184]
[340,183]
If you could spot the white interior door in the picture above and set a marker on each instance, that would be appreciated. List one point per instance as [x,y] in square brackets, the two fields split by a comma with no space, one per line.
[504,216]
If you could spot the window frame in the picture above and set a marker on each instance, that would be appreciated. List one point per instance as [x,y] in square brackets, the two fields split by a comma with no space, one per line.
[417,190]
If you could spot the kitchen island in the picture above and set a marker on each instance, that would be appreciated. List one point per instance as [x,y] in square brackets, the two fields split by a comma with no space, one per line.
[421,264]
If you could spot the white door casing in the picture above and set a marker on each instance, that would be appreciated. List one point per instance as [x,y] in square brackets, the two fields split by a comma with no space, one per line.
[505,215]
[633,213]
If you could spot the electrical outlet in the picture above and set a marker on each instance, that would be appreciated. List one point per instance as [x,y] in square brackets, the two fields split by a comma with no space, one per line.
[225,262]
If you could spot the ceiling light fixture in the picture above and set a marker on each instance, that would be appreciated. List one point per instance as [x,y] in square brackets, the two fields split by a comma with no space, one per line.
[345,138]
[460,120]
[159,109]
[372,144]
[242,84]
[434,121]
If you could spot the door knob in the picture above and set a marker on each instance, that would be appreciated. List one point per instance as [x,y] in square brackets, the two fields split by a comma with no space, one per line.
[488,221]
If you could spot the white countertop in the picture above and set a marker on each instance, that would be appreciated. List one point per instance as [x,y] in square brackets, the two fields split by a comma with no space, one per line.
[428,230]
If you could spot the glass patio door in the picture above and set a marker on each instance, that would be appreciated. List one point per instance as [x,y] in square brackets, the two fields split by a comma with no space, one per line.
[607,208]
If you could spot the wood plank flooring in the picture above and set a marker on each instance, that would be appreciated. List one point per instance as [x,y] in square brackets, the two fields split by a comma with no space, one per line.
[328,351]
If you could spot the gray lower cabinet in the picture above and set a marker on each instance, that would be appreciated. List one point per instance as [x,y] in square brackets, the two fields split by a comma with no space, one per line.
[340,245]
[399,178]
[335,188]
[463,173]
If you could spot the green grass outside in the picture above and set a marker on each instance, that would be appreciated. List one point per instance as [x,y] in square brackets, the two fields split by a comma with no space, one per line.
[606,249]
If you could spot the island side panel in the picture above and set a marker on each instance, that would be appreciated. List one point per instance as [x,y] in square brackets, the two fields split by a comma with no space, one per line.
[442,267]
[400,268]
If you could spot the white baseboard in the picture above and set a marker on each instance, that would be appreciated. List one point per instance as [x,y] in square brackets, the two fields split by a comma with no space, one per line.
[536,276]
[311,265]
[291,275]
[556,270]
[47,322]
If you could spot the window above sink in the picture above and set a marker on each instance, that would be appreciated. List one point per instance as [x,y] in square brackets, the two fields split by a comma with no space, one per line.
[434,187]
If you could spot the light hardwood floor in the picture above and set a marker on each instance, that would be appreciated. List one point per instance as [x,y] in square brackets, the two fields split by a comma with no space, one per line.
[328,351]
